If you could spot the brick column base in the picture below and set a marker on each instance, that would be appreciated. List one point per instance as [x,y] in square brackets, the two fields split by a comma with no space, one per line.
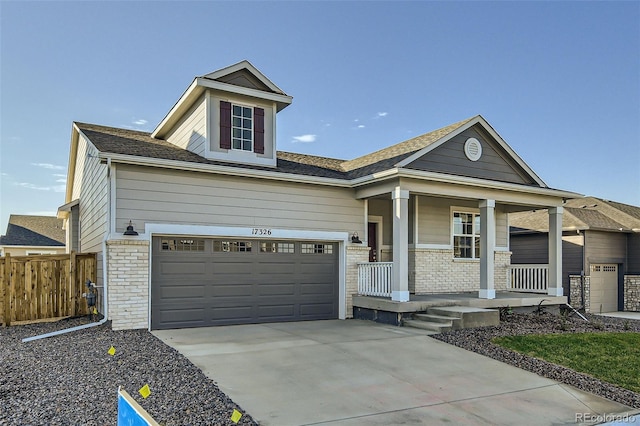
[355,253]
[128,283]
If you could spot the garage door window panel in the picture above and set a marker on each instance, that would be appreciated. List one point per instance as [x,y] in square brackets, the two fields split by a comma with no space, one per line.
[176,244]
[232,246]
[315,248]
[276,247]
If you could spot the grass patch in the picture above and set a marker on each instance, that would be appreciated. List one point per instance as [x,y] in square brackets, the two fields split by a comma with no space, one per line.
[612,357]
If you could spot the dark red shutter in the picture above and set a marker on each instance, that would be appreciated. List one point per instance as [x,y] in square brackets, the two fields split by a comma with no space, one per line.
[258,126]
[225,125]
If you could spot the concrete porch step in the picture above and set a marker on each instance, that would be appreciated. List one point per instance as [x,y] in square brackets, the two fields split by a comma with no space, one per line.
[436,327]
[470,317]
[454,322]
[446,318]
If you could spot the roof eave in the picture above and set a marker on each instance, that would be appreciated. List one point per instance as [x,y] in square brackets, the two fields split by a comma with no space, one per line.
[195,90]
[281,100]
[445,178]
[186,100]
[222,169]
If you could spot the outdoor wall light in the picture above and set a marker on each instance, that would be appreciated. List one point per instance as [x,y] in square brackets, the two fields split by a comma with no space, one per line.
[355,239]
[130,230]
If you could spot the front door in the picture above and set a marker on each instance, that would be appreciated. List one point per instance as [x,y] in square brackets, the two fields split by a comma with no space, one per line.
[372,237]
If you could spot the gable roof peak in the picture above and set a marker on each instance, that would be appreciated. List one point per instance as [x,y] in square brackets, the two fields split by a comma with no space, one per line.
[248,66]
[404,149]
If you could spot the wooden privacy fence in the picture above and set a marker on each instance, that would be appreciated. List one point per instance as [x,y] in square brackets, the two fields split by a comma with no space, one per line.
[44,286]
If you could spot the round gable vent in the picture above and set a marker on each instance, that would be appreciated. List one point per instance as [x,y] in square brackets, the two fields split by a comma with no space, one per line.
[473,149]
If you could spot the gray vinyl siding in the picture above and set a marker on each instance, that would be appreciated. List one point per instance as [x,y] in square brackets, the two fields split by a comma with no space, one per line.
[572,247]
[494,164]
[384,208]
[530,249]
[605,247]
[146,194]
[190,132]
[633,254]
[434,222]
[502,227]
[244,78]
[412,218]
[534,249]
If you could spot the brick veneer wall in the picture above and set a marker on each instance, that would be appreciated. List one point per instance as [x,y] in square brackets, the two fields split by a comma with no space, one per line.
[436,271]
[128,283]
[575,292]
[355,253]
[632,293]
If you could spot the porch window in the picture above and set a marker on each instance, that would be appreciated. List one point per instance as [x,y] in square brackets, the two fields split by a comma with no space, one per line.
[466,235]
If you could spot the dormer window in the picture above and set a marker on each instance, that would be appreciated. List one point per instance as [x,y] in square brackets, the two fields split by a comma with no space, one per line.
[242,127]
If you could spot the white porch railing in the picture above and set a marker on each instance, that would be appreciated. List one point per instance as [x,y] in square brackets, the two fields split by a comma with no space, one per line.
[528,278]
[374,278]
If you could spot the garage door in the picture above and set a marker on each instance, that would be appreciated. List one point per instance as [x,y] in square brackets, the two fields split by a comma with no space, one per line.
[604,288]
[200,282]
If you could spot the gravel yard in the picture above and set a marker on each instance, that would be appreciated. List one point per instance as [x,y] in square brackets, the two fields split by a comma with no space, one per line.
[479,340]
[72,380]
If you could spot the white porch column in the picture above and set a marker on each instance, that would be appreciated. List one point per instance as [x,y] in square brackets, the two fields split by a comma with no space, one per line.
[400,284]
[487,249]
[555,251]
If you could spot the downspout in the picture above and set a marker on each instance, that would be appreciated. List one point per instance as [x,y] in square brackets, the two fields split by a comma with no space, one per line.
[104,274]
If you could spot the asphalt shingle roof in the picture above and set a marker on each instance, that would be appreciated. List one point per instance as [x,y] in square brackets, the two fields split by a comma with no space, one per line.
[24,230]
[583,213]
[137,143]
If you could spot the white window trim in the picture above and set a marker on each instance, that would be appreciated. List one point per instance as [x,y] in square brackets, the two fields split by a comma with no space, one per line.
[463,210]
[253,132]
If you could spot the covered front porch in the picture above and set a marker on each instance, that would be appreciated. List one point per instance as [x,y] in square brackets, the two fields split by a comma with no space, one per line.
[424,243]
[450,310]
[422,302]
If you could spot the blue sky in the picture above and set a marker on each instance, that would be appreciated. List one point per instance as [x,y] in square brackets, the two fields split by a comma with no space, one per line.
[559,81]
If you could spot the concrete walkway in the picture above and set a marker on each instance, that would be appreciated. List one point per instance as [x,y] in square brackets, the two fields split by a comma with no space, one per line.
[358,372]
[621,314]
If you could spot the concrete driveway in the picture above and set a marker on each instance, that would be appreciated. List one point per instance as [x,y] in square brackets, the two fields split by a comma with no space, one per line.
[358,372]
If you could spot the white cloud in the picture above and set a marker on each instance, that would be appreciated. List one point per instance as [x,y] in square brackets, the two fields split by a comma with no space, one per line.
[361,126]
[61,180]
[49,166]
[140,122]
[59,175]
[382,114]
[54,188]
[304,138]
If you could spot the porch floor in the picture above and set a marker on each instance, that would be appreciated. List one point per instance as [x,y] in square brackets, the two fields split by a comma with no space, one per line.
[421,302]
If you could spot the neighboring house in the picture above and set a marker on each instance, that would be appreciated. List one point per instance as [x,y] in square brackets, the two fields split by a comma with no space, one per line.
[33,235]
[600,242]
[229,230]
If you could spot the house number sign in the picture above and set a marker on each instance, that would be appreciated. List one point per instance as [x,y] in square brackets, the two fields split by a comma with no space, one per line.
[261,231]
